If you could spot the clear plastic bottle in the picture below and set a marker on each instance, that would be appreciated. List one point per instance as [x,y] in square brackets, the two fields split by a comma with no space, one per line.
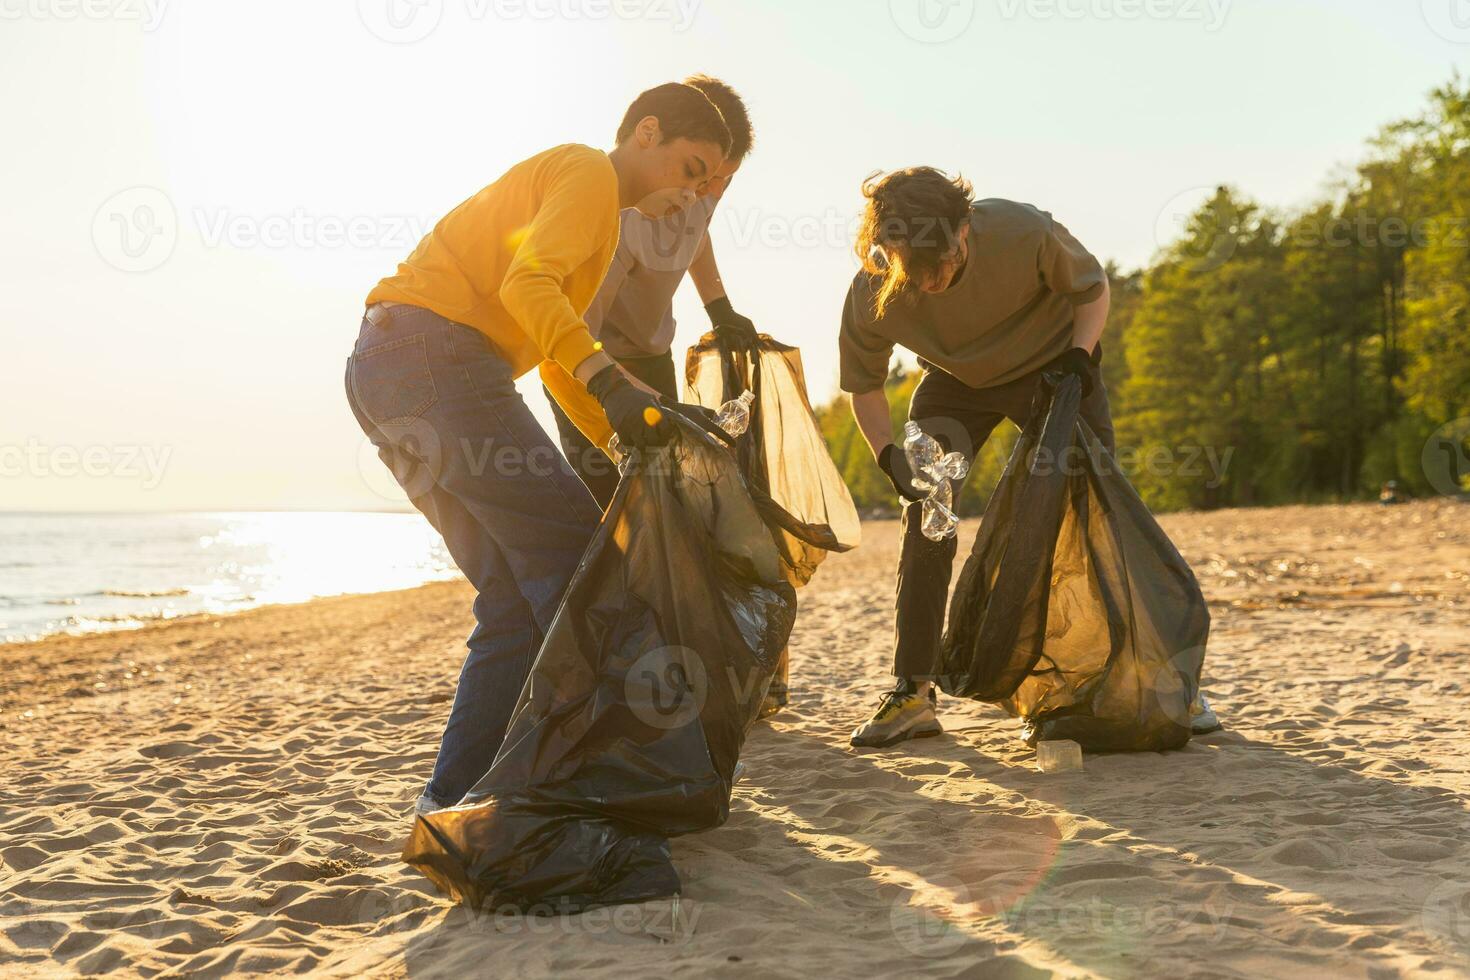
[939,520]
[932,471]
[923,452]
[734,415]
[615,450]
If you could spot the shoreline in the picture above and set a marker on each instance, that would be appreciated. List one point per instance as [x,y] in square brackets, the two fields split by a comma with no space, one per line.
[878,521]
[158,622]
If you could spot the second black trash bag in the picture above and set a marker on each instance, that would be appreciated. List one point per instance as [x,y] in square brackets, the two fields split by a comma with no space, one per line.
[629,728]
[1074,611]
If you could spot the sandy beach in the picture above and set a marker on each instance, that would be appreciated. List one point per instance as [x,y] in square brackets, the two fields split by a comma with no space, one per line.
[230,794]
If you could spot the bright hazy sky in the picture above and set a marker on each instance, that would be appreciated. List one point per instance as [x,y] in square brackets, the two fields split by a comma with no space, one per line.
[203,371]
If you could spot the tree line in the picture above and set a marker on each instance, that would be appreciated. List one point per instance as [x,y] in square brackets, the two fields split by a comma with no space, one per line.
[1271,357]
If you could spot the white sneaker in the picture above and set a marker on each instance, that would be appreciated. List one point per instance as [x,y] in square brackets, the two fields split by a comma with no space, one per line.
[1202,718]
[426,805]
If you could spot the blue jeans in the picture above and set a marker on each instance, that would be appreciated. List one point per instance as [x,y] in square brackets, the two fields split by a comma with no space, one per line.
[440,405]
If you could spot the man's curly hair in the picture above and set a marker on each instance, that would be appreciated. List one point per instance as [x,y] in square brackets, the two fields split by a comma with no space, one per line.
[913,219]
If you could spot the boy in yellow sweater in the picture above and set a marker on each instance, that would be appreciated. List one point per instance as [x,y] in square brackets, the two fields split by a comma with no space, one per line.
[499,287]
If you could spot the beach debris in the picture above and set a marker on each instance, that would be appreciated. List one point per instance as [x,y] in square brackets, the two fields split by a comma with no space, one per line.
[734,415]
[933,471]
[1060,755]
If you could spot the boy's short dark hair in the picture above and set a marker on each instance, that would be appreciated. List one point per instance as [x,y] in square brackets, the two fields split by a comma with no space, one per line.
[732,107]
[916,216]
[683,112]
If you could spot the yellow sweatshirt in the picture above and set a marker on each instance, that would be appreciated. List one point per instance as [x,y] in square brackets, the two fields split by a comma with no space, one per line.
[521,261]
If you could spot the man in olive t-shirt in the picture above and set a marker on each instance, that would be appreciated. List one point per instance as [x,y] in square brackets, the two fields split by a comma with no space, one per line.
[988,294]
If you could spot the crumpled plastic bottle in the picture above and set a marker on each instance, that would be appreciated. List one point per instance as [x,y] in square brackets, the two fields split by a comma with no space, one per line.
[933,471]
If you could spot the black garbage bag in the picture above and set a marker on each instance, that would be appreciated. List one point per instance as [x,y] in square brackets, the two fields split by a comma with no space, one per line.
[1074,611]
[784,454]
[629,728]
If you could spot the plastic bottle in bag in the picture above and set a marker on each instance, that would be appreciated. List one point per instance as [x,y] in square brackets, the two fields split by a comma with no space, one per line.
[733,417]
[933,471]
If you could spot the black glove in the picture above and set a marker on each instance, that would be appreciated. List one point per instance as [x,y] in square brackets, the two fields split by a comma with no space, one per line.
[895,466]
[737,332]
[1078,363]
[700,416]
[633,413]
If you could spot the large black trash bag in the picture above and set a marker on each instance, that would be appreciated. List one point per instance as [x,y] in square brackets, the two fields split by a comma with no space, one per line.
[783,455]
[1075,611]
[629,728]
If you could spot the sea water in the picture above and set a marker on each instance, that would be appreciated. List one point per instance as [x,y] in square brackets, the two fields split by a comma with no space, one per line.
[82,573]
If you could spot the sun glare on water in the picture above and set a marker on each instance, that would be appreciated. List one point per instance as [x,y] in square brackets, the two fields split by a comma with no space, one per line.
[95,573]
[294,557]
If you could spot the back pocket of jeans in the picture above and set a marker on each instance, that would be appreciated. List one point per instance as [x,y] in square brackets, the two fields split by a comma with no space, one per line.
[392,381]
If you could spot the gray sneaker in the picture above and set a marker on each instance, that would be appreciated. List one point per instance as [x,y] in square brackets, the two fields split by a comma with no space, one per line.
[426,805]
[901,715]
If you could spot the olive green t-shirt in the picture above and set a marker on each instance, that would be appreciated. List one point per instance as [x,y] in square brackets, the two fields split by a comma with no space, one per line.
[1009,313]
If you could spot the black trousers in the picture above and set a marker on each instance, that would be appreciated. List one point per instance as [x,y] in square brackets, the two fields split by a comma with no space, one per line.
[961,418]
[591,463]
